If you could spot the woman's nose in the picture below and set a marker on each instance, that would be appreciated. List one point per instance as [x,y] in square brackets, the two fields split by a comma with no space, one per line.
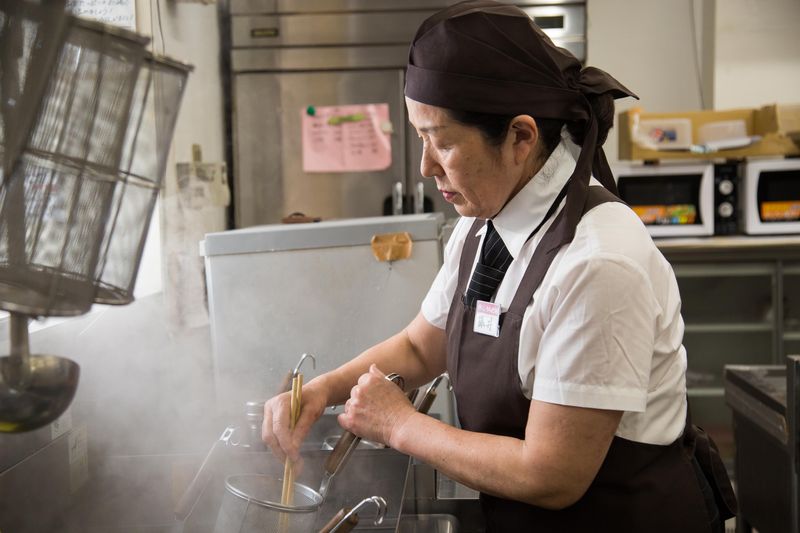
[428,166]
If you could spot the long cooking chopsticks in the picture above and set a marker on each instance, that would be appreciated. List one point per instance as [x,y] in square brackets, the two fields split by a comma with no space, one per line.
[287,496]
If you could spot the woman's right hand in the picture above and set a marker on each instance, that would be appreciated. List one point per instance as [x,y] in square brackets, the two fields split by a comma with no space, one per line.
[275,430]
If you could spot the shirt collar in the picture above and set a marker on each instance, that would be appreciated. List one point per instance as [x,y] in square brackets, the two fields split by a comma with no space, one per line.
[527,208]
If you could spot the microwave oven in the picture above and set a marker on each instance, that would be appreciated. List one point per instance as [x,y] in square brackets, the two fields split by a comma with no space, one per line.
[770,199]
[671,200]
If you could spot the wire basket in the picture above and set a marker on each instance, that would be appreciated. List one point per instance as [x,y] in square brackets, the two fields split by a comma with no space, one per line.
[31,34]
[156,100]
[56,201]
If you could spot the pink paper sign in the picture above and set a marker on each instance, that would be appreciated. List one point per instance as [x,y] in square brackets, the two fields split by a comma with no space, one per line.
[347,138]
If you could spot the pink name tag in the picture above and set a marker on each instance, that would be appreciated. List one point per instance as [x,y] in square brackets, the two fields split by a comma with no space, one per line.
[487,319]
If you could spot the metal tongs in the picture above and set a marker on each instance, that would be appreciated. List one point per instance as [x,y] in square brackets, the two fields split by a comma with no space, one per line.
[346,519]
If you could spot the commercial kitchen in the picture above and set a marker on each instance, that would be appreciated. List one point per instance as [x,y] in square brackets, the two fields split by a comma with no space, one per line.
[205,202]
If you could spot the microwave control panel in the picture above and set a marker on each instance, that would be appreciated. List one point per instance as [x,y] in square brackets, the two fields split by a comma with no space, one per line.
[726,206]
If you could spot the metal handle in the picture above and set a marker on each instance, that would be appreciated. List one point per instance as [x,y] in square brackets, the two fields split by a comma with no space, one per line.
[286,383]
[345,520]
[430,394]
[198,484]
[397,198]
[349,441]
[419,198]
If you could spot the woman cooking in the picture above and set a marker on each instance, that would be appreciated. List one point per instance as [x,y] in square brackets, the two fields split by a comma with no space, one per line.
[554,313]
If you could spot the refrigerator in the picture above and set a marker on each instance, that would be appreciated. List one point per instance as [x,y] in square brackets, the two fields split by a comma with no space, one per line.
[276,292]
[286,58]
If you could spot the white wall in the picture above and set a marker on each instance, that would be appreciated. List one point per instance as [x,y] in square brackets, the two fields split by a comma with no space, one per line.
[191,35]
[648,46]
[757,53]
[748,52]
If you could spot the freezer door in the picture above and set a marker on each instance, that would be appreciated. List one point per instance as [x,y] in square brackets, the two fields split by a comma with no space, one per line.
[269,179]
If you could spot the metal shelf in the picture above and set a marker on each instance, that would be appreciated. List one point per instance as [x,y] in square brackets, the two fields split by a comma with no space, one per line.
[705,392]
[718,270]
[736,327]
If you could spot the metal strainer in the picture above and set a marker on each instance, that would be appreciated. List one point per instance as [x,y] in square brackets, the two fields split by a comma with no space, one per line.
[63,198]
[156,100]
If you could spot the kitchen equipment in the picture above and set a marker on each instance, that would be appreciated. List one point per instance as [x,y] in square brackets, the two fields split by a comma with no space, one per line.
[770,196]
[346,519]
[296,404]
[428,523]
[156,100]
[330,443]
[726,194]
[764,400]
[423,406]
[55,199]
[266,506]
[294,55]
[255,506]
[429,397]
[345,446]
[368,472]
[203,475]
[313,288]
[671,200]
[286,384]
[254,414]
[31,36]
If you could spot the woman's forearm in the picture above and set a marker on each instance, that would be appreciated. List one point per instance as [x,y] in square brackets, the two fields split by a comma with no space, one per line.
[551,468]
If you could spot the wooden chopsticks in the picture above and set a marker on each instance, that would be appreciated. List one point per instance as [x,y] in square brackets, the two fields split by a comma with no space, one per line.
[287,497]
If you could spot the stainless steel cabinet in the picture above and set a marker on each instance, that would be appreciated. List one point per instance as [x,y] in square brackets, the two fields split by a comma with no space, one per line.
[741,306]
[286,55]
[271,181]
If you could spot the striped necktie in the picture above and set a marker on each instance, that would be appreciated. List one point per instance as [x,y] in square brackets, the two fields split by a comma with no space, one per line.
[491,267]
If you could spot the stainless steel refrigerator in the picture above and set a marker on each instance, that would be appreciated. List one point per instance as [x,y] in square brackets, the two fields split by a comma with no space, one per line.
[285,56]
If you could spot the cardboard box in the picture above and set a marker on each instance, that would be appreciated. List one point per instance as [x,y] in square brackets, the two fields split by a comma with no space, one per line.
[778,125]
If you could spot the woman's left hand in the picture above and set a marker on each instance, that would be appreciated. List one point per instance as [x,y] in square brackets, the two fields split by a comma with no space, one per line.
[377,407]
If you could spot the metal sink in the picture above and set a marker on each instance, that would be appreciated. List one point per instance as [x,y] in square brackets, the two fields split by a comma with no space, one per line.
[435,503]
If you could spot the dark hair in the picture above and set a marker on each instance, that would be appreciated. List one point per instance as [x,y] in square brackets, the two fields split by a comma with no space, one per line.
[495,127]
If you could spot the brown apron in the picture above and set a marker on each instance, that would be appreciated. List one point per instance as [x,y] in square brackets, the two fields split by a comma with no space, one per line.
[639,487]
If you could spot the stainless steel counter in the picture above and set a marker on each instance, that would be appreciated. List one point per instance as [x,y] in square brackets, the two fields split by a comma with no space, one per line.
[735,247]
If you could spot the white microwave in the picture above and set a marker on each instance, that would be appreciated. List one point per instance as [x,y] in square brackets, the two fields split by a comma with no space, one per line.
[671,200]
[770,196]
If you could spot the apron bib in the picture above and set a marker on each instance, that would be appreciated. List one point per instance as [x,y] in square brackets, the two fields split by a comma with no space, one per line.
[639,487]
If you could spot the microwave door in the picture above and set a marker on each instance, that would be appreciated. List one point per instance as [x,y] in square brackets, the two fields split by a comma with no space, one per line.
[671,202]
[773,197]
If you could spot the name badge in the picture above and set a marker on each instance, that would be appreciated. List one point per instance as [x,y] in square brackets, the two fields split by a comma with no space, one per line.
[487,319]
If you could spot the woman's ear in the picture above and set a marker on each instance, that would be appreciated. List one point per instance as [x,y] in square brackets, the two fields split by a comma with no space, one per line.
[524,137]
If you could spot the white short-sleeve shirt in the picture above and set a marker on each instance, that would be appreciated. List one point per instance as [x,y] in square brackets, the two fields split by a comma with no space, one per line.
[604,328]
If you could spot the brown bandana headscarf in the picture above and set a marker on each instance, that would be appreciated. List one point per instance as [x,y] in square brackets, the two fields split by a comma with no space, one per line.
[487,57]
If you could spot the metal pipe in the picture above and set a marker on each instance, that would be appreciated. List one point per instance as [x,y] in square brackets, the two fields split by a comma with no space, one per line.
[17,372]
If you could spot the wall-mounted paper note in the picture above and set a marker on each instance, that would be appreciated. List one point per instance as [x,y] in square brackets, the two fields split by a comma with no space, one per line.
[347,138]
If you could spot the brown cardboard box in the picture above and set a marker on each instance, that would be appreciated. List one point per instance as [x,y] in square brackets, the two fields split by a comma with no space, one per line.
[778,126]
